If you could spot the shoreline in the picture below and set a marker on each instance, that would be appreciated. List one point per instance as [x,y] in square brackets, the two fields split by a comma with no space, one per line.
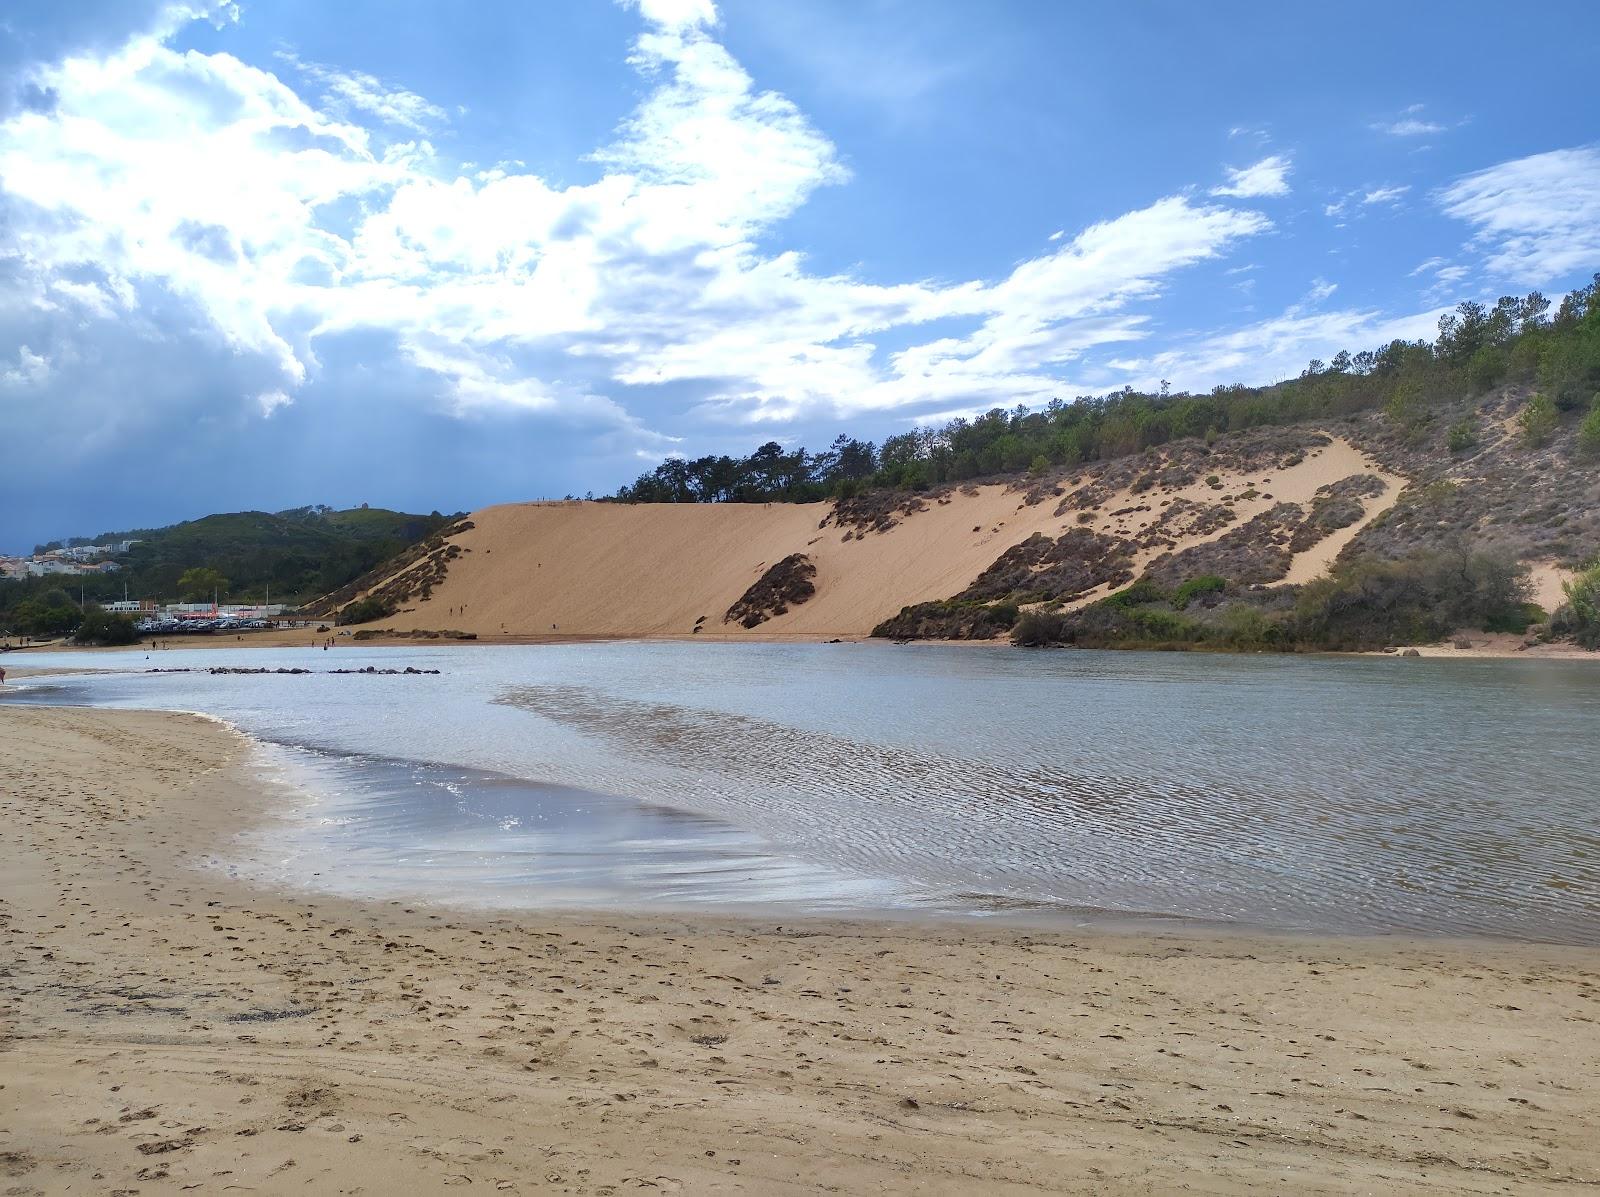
[1486,646]
[165,1024]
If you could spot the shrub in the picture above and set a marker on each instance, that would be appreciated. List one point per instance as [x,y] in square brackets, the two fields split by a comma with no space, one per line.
[1141,592]
[99,627]
[1195,587]
[1462,436]
[1515,619]
[1039,629]
[364,611]
[1368,603]
[1538,422]
[1589,431]
[1580,618]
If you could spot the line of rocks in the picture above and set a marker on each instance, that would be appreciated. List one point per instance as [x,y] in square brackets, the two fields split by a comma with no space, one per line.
[240,669]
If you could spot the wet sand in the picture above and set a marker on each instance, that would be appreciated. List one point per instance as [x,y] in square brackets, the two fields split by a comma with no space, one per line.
[165,1028]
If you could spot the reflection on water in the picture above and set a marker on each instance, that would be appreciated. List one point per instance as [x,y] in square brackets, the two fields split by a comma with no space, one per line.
[1336,795]
[382,828]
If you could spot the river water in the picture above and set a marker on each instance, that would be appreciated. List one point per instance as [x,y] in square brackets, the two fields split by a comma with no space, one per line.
[1323,794]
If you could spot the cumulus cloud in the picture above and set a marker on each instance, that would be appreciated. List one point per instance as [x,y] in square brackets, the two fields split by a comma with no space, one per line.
[192,245]
[1269,177]
[1537,218]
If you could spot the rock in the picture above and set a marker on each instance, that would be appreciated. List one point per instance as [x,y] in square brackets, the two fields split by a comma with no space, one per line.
[1411,652]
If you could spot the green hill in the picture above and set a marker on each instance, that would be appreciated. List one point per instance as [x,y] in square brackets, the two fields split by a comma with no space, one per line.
[299,553]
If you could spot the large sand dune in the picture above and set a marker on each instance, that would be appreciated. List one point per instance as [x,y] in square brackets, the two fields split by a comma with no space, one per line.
[603,569]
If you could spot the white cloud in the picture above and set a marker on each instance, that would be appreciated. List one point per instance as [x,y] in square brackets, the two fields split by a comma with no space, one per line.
[1410,123]
[1537,218]
[1269,177]
[1385,195]
[31,369]
[347,90]
[1276,348]
[271,401]
[681,15]
[1409,127]
[1365,197]
[173,195]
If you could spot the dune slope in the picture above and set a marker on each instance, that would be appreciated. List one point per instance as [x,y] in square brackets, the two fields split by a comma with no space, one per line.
[603,569]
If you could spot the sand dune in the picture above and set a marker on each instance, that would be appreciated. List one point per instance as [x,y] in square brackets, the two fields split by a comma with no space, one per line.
[601,569]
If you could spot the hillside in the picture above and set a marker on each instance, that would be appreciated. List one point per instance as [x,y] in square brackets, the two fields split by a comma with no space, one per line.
[298,553]
[1252,520]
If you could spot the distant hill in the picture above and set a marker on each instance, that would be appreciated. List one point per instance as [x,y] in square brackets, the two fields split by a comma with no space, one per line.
[298,553]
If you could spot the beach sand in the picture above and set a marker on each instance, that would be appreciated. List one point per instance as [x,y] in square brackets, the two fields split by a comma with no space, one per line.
[165,1028]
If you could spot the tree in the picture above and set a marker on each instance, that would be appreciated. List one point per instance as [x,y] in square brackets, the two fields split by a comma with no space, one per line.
[98,627]
[1582,615]
[201,583]
[1538,421]
[1589,431]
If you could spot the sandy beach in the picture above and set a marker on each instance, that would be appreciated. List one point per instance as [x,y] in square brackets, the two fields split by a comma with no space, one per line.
[165,1028]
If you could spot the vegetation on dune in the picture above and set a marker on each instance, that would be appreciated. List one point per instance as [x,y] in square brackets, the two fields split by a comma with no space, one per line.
[1517,341]
[1362,604]
[1580,618]
[786,584]
[364,611]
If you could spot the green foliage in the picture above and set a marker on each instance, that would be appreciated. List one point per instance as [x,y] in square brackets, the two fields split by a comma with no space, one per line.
[1141,592]
[52,615]
[1589,431]
[1406,406]
[99,627]
[200,583]
[1368,603]
[1188,591]
[1363,604]
[1538,421]
[1039,629]
[1462,436]
[1514,619]
[364,611]
[297,554]
[1580,618]
[1477,347]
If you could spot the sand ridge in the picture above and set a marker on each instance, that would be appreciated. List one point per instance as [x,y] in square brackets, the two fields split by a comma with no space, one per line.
[164,1028]
[577,569]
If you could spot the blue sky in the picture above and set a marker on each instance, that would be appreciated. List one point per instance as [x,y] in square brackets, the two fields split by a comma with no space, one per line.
[431,255]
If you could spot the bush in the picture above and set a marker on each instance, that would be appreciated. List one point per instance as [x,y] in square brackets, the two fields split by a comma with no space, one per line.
[364,611]
[1538,422]
[1141,592]
[1589,431]
[1195,587]
[1367,603]
[98,627]
[1462,436]
[1039,629]
[1580,618]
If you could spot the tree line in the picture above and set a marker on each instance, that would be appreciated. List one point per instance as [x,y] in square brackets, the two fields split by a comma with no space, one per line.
[1478,347]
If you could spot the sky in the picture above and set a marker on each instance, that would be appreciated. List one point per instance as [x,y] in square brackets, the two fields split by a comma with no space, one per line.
[433,255]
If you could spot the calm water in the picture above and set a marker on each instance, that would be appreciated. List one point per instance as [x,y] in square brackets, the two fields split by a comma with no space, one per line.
[1299,793]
